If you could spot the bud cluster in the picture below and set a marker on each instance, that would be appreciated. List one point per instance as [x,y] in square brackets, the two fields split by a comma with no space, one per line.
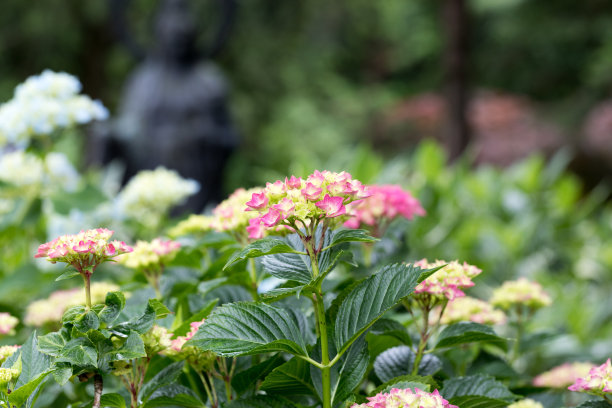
[467,308]
[520,292]
[406,398]
[447,281]
[6,352]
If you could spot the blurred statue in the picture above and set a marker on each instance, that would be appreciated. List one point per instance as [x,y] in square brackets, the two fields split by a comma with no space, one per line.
[174,110]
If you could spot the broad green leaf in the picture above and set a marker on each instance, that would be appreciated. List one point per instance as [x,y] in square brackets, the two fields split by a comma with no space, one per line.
[371,299]
[79,352]
[469,332]
[261,401]
[428,381]
[351,369]
[143,323]
[22,393]
[73,313]
[265,246]
[476,385]
[173,395]
[87,321]
[249,328]
[52,343]
[351,235]
[113,400]
[594,404]
[187,257]
[166,376]
[398,361]
[477,401]
[62,373]
[277,294]
[291,378]
[33,362]
[160,309]
[132,348]
[389,327]
[247,378]
[113,305]
[67,275]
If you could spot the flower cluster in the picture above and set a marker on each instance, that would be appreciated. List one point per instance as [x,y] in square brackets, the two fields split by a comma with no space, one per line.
[156,340]
[526,403]
[386,203]
[28,170]
[447,281]
[467,308]
[150,194]
[6,352]
[44,103]
[406,398]
[197,358]
[50,311]
[321,195]
[597,382]
[7,324]
[563,375]
[84,251]
[520,292]
[151,256]
[228,216]
[8,374]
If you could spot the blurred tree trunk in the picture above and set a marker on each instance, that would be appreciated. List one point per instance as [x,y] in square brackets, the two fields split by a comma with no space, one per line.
[455,60]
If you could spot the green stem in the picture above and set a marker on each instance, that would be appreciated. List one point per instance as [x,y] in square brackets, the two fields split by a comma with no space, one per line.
[207,389]
[519,334]
[87,279]
[253,275]
[423,341]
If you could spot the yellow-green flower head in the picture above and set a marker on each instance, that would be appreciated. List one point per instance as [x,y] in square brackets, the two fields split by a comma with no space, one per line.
[150,194]
[406,398]
[157,340]
[526,403]
[8,374]
[520,292]
[597,382]
[6,352]
[151,255]
[447,281]
[194,224]
[467,308]
[563,376]
[7,324]
[51,310]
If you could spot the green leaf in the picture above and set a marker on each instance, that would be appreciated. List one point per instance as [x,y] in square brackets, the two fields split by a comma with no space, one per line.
[33,362]
[249,328]
[353,365]
[67,275]
[398,361]
[166,376]
[87,321]
[277,294]
[469,332]
[476,401]
[160,309]
[79,352]
[594,404]
[133,347]
[72,313]
[62,373]
[369,300]
[247,378]
[407,379]
[291,266]
[113,400]
[52,343]
[173,395]
[351,235]
[28,390]
[393,328]
[261,401]
[185,327]
[265,246]
[143,323]
[476,385]
[187,257]
[113,305]
[291,378]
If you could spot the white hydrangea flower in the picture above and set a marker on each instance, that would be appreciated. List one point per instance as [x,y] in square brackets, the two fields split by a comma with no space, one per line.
[60,172]
[21,169]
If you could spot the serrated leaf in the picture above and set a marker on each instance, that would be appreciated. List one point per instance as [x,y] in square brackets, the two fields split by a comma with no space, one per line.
[277,294]
[73,313]
[389,327]
[594,404]
[173,395]
[371,299]
[62,373]
[113,305]
[133,347]
[33,362]
[476,385]
[406,379]
[87,321]
[351,370]
[351,235]
[249,328]
[160,309]
[243,380]
[67,275]
[79,352]
[51,344]
[22,393]
[265,246]
[113,400]
[167,375]
[398,361]
[290,378]
[476,401]
[143,323]
[469,332]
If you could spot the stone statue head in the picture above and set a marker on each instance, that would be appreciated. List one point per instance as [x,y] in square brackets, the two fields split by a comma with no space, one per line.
[175,33]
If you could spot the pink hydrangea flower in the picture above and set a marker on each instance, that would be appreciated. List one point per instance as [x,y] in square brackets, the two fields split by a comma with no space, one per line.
[406,398]
[332,206]
[84,251]
[597,382]
[7,324]
[386,203]
[520,292]
[563,375]
[447,281]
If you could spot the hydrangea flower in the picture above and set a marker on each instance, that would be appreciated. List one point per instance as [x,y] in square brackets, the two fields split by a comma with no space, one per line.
[7,324]
[6,352]
[21,169]
[49,311]
[406,398]
[563,375]
[150,258]
[294,201]
[386,203]
[520,292]
[44,103]
[526,403]
[150,194]
[597,382]
[156,340]
[445,283]
[197,358]
[7,375]
[467,308]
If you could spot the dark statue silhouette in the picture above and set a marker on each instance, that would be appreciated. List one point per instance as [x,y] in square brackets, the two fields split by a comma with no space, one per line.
[174,110]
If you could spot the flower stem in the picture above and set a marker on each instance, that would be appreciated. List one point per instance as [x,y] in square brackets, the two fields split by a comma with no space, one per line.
[253,276]
[98,386]
[87,280]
